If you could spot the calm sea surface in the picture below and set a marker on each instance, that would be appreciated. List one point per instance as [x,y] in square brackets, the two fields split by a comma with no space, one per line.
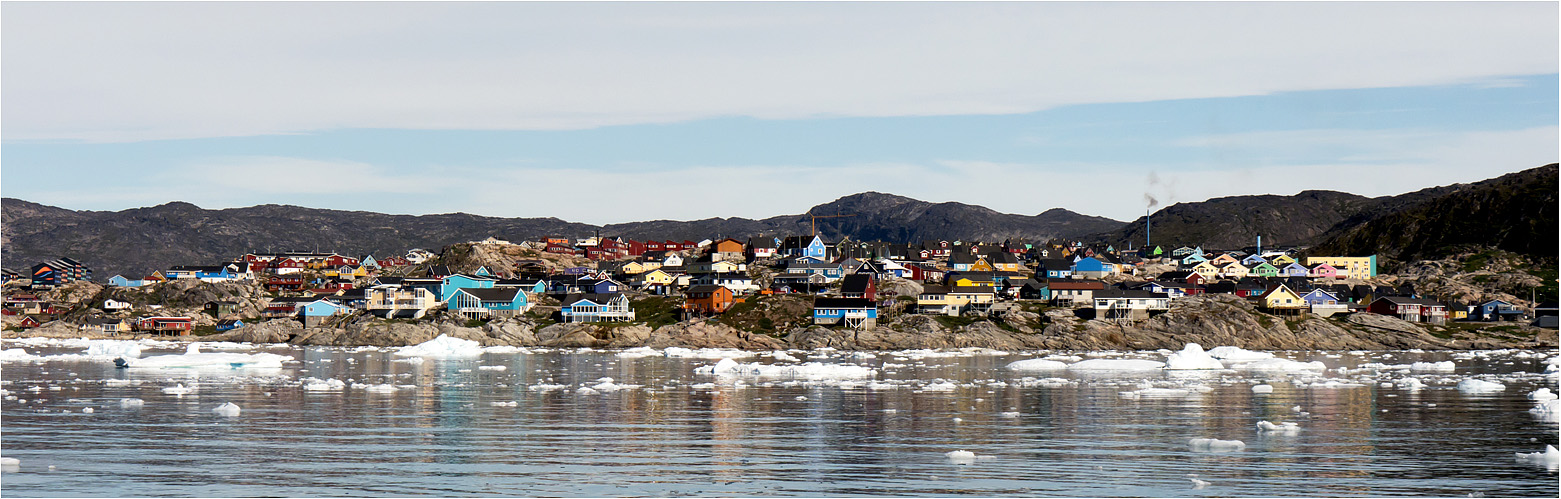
[463,427]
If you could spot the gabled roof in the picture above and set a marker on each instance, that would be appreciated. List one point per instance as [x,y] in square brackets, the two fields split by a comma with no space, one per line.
[597,298]
[933,289]
[843,303]
[855,283]
[973,290]
[491,294]
[1126,293]
[705,288]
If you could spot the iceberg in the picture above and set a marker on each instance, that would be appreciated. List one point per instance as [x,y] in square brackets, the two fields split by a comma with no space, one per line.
[1192,357]
[194,358]
[442,347]
[1550,459]
[1237,354]
[1444,366]
[1281,428]
[1262,388]
[1541,395]
[1036,365]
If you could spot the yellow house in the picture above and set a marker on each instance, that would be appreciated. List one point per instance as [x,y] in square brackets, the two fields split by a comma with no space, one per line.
[973,296]
[359,271]
[1207,270]
[1281,297]
[1359,267]
[1234,270]
[1281,261]
[981,265]
[966,282]
[656,276]
[636,268]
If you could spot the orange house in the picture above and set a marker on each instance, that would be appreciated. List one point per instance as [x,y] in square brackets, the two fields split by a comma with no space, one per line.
[709,299]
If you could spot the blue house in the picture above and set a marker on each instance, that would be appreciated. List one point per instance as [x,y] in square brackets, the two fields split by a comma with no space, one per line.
[1194,259]
[121,281]
[1090,267]
[319,311]
[478,303]
[450,283]
[1294,269]
[229,324]
[1320,297]
[852,312]
[1497,310]
[369,261]
[482,272]
[599,286]
[596,308]
[1251,260]
[1059,268]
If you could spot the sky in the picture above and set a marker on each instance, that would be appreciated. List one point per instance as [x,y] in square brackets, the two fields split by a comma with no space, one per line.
[615,112]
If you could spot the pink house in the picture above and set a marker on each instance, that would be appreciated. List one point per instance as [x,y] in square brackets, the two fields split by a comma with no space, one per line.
[1324,270]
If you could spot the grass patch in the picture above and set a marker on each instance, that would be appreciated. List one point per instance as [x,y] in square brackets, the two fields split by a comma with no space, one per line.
[655,311]
[203,330]
[475,322]
[1265,321]
[1477,261]
[953,322]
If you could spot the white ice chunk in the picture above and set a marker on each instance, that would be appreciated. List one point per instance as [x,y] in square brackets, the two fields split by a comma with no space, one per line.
[1263,388]
[179,390]
[1472,385]
[442,347]
[1550,458]
[961,456]
[10,463]
[510,403]
[1444,366]
[1411,384]
[1009,414]
[380,388]
[1215,445]
[1192,357]
[112,349]
[131,403]
[940,386]
[323,385]
[193,358]
[1036,365]
[491,368]
[1542,394]
[1237,354]
[229,409]
[1117,365]
[706,353]
[810,370]
[1281,428]
[1549,410]
[638,352]
[783,357]
[86,410]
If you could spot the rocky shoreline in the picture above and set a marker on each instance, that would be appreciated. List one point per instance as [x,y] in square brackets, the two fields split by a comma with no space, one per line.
[1206,320]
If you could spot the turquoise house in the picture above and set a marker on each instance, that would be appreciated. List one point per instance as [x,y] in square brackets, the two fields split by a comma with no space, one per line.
[478,303]
[318,311]
[121,281]
[450,283]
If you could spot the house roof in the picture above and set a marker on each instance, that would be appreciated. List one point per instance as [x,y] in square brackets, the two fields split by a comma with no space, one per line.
[855,283]
[933,289]
[843,303]
[1127,293]
[705,288]
[969,290]
[598,298]
[491,294]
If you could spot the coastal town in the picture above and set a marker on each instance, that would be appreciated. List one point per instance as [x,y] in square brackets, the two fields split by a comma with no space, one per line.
[850,285]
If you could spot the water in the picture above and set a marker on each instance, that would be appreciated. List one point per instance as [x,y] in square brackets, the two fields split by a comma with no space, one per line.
[441,433]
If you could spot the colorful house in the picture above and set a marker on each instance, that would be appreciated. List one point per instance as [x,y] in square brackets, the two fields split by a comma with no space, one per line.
[1359,267]
[449,283]
[1497,310]
[1323,270]
[1059,268]
[1263,269]
[1233,270]
[1410,309]
[596,308]
[481,303]
[1293,269]
[121,281]
[709,299]
[1281,299]
[851,312]
[1091,268]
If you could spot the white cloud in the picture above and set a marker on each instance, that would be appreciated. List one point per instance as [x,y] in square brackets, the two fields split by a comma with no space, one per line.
[136,71]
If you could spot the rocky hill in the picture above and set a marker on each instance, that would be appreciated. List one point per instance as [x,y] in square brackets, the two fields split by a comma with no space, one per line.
[137,241]
[1514,212]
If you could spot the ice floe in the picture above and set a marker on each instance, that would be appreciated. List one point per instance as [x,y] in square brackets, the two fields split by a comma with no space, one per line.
[1036,365]
[1117,365]
[228,409]
[1279,365]
[491,368]
[179,390]
[1280,428]
[1542,394]
[1444,366]
[131,403]
[1550,459]
[1192,357]
[964,456]
[323,385]
[1237,354]
[1472,385]
[810,370]
[1262,388]
[1215,445]
[442,347]
[194,358]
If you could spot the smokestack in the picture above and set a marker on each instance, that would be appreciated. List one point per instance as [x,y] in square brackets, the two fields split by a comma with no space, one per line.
[1146,226]
[1260,245]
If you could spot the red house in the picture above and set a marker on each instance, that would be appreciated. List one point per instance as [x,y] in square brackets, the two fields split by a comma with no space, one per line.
[1410,309]
[166,325]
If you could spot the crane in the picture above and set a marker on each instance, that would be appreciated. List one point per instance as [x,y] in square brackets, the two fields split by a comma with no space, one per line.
[816,217]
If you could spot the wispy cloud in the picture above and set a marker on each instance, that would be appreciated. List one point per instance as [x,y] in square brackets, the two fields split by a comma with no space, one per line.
[141,71]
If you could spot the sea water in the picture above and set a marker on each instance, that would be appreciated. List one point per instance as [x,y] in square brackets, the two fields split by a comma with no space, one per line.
[646,422]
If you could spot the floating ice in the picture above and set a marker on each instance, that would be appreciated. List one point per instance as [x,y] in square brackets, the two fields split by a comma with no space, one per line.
[380,388]
[1117,365]
[1444,366]
[1163,392]
[86,410]
[323,385]
[193,358]
[1237,354]
[111,349]
[607,385]
[706,353]
[442,347]
[491,368]
[1280,365]
[1262,388]
[1549,410]
[1411,384]
[961,456]
[1036,365]
[510,403]
[1009,414]
[1198,484]
[1281,428]
[17,355]
[1192,357]
[229,409]
[179,390]
[810,370]
[783,357]
[505,349]
[1542,394]
[10,463]
[546,387]
[1550,459]
[1215,445]
[131,403]
[638,352]
[1472,385]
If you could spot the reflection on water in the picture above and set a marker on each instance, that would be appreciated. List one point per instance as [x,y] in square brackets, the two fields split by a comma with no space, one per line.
[452,427]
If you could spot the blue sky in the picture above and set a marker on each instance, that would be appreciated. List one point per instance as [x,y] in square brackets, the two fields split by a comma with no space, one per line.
[606,113]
